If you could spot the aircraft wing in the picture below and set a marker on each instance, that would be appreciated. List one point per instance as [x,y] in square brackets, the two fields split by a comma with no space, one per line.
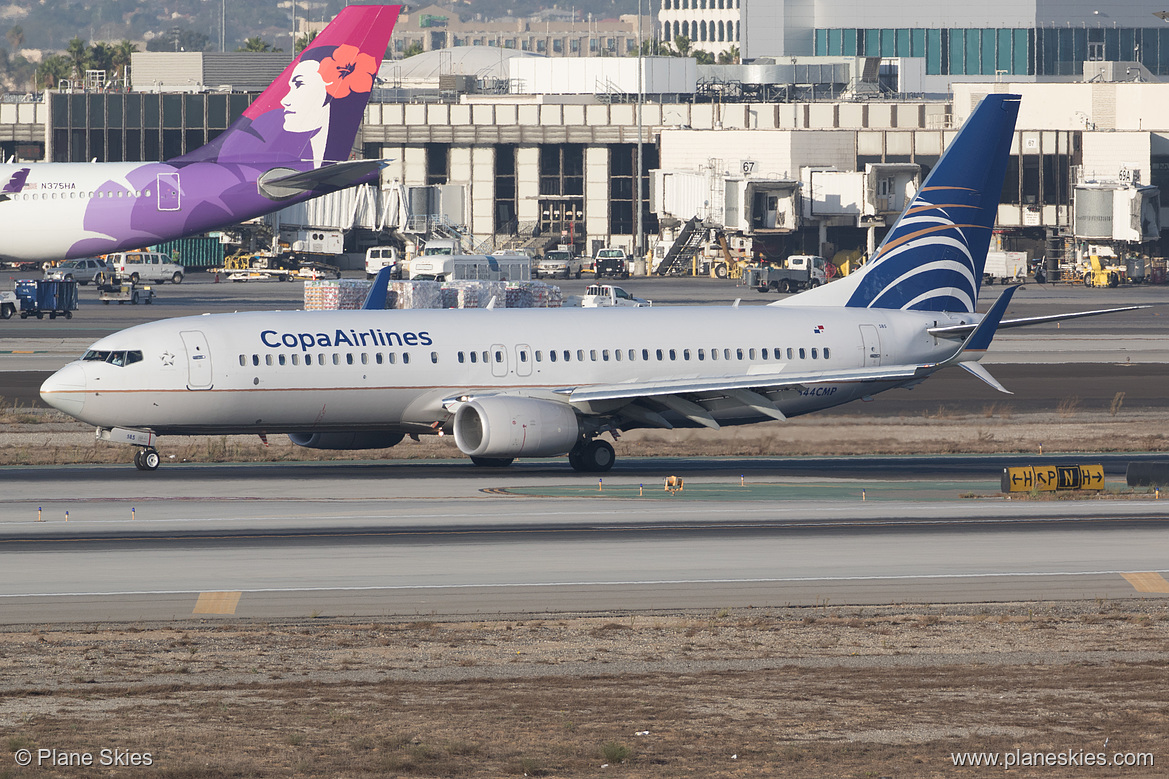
[759,381]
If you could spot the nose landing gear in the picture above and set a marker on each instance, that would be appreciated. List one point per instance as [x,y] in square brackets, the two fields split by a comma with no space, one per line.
[146,458]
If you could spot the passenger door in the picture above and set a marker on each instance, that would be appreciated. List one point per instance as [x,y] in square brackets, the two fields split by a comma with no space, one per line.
[169,195]
[871,346]
[199,375]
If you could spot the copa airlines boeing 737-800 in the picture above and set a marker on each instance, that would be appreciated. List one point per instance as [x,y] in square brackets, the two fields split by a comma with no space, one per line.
[549,382]
[291,144]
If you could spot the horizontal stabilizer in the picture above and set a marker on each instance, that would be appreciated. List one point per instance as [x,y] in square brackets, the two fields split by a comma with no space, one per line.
[284,183]
[961,331]
[976,369]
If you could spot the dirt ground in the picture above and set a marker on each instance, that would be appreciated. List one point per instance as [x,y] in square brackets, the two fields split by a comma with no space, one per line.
[767,692]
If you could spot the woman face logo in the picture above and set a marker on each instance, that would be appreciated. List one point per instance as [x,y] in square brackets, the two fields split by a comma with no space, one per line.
[304,106]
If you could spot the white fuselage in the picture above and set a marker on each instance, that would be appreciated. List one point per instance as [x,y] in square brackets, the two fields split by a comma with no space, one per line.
[305,371]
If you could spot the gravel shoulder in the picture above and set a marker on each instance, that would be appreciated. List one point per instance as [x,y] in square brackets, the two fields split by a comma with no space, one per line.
[766,692]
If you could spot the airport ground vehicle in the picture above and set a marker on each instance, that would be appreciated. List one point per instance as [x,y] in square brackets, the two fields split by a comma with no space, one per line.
[39,297]
[1097,274]
[608,296]
[145,266]
[1004,267]
[125,292]
[8,304]
[378,257]
[465,267]
[611,262]
[559,263]
[801,271]
[83,271]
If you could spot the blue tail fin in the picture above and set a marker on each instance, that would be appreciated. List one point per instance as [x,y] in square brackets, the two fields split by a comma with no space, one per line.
[933,257]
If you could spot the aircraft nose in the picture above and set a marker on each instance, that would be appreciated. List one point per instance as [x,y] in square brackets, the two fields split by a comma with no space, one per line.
[65,389]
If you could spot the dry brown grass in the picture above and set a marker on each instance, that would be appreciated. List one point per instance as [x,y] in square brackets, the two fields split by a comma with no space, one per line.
[54,439]
[825,691]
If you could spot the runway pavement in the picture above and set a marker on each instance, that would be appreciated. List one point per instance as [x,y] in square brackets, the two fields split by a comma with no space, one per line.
[296,540]
[444,538]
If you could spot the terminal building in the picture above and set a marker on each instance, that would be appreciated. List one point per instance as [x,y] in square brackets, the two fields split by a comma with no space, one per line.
[816,152]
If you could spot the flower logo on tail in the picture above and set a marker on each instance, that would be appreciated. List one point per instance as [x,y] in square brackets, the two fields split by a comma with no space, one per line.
[348,70]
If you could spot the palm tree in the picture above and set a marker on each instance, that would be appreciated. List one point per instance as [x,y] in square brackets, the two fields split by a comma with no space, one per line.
[121,58]
[729,57]
[78,55]
[255,44]
[682,44]
[303,41]
[101,57]
[53,69]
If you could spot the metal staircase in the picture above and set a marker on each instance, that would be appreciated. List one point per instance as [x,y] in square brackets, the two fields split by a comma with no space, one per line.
[685,247]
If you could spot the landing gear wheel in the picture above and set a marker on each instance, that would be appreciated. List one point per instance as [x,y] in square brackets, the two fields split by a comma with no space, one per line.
[147,459]
[492,462]
[596,456]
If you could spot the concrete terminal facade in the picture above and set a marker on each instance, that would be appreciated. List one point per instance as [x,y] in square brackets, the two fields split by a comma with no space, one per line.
[562,166]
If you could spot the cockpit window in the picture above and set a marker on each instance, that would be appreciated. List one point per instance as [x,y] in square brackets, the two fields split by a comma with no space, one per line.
[120,358]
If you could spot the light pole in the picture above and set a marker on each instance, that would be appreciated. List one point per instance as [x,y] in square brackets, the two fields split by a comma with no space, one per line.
[639,243]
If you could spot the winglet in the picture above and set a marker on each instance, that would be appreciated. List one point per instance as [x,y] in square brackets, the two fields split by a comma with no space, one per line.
[376,299]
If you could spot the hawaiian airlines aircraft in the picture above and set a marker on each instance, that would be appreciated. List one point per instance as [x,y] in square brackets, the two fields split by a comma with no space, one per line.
[548,382]
[291,144]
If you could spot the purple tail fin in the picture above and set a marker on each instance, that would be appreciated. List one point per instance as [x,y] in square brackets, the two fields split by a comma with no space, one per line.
[312,111]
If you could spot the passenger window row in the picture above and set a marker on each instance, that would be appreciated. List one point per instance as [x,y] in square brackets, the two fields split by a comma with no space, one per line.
[565,355]
[66,194]
[333,358]
[661,355]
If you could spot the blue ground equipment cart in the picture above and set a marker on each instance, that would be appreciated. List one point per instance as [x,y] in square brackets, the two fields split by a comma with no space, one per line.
[39,297]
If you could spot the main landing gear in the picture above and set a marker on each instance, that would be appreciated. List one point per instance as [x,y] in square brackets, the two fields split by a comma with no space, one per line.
[146,458]
[596,456]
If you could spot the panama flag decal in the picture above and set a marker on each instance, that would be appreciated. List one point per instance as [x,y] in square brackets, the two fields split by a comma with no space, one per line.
[818,329]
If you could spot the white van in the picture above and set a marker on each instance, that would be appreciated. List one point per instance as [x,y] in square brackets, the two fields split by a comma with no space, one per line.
[468,267]
[145,266]
[378,257]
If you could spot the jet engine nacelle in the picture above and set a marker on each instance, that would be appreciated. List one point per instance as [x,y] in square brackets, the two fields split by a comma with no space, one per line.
[357,439]
[503,426]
